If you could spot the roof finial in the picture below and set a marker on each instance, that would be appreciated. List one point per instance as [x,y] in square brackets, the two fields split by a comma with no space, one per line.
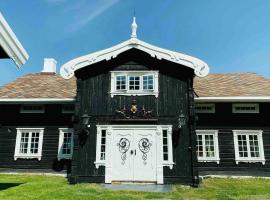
[134,28]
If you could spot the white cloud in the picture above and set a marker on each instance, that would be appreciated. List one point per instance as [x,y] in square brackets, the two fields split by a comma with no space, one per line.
[88,12]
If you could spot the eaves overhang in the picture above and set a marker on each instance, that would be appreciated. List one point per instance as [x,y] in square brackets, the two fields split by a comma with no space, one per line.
[10,43]
[233,99]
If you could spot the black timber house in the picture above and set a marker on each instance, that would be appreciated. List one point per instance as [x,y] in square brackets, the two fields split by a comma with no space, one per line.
[135,113]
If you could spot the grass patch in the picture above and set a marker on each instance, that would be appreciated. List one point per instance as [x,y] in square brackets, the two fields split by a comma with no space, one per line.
[20,187]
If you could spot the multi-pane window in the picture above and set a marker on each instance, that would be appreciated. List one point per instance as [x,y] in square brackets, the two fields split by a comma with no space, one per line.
[65,147]
[28,143]
[68,108]
[207,146]
[103,145]
[121,82]
[165,145]
[245,108]
[248,146]
[148,81]
[134,83]
[32,108]
[205,108]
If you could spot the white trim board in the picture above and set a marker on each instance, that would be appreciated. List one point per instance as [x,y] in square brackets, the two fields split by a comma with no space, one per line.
[10,43]
[35,100]
[200,68]
[233,99]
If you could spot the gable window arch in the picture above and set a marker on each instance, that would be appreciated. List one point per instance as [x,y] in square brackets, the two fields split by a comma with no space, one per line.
[134,83]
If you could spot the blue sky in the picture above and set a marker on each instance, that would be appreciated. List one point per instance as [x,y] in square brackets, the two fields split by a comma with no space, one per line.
[229,35]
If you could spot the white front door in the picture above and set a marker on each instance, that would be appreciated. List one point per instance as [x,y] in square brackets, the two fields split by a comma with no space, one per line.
[134,155]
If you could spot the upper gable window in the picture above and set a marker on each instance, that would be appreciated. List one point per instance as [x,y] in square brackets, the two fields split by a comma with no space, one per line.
[68,108]
[32,109]
[205,108]
[134,83]
[245,108]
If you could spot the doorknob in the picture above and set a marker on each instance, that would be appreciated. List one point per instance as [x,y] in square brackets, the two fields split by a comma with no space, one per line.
[131,152]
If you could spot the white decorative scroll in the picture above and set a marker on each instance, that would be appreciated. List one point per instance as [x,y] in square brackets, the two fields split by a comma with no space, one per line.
[200,68]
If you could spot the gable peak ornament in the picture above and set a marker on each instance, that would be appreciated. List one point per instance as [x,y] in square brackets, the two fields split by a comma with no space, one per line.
[134,27]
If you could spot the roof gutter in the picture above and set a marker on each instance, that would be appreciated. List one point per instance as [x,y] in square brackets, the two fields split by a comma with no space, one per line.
[35,100]
[10,43]
[233,99]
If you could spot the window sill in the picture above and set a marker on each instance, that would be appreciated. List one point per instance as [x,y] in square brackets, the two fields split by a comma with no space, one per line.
[168,164]
[69,157]
[250,161]
[134,93]
[217,160]
[27,157]
[99,163]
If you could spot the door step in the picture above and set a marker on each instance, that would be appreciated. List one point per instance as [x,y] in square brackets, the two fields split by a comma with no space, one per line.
[134,182]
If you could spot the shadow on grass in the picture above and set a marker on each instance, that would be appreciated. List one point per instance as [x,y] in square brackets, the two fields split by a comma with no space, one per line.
[4,186]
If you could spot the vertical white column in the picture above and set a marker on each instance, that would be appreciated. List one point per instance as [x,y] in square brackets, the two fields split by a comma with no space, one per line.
[109,149]
[159,153]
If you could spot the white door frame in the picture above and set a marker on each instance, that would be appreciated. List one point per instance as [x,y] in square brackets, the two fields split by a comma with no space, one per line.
[159,147]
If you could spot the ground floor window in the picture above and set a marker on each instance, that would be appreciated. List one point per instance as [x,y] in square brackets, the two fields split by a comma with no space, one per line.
[29,143]
[65,147]
[248,146]
[207,146]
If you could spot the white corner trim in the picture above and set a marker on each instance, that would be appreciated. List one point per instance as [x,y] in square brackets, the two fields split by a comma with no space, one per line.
[10,44]
[233,99]
[200,68]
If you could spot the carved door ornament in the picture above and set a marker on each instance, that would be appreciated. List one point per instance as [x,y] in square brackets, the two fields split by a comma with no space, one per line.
[144,146]
[124,145]
[134,112]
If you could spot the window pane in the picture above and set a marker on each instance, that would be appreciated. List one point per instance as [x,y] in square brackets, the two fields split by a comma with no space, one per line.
[165,145]
[134,83]
[242,146]
[34,142]
[209,146]
[254,146]
[67,140]
[24,142]
[120,82]
[103,145]
[199,146]
[148,82]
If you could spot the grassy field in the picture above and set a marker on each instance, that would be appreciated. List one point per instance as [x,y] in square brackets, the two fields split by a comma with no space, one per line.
[29,187]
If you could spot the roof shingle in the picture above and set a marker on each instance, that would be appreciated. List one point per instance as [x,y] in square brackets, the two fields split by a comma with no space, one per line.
[214,85]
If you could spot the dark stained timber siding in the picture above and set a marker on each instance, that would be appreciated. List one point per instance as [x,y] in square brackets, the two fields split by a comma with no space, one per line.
[93,98]
[51,121]
[225,121]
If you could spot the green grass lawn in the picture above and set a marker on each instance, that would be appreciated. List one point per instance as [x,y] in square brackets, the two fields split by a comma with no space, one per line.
[53,187]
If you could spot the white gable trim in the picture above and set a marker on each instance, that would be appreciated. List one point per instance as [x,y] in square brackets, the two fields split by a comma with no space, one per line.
[200,68]
[38,100]
[10,44]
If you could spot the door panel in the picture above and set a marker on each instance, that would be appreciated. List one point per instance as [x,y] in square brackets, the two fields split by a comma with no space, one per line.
[145,158]
[122,159]
[134,155]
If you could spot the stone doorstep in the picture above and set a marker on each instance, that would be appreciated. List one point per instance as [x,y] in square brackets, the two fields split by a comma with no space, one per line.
[142,187]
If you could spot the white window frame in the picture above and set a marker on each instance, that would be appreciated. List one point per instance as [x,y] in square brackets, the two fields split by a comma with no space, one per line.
[23,110]
[67,111]
[216,146]
[28,155]
[62,131]
[248,159]
[256,105]
[98,161]
[211,105]
[139,92]
[169,163]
